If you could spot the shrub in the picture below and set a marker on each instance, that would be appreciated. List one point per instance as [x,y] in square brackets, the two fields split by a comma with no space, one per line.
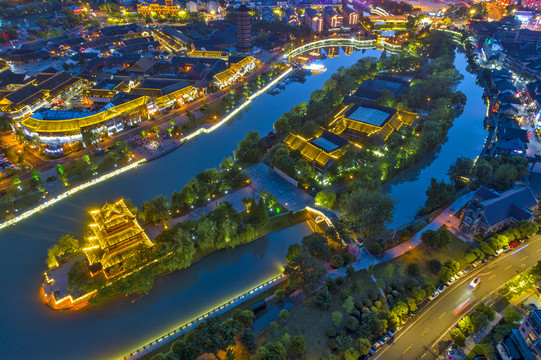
[434,265]
[413,269]
[330,332]
[337,261]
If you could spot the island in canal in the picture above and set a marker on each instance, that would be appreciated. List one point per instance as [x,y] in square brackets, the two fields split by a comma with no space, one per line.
[117,257]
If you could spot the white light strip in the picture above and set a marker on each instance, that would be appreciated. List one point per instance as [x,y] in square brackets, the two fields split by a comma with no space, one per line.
[70,192]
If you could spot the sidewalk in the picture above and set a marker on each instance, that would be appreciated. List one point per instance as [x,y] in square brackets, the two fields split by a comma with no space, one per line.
[476,338]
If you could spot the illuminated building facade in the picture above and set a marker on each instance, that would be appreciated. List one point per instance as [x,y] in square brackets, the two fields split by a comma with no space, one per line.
[244,29]
[31,97]
[160,7]
[115,236]
[321,150]
[236,71]
[332,19]
[350,16]
[367,122]
[314,20]
[56,128]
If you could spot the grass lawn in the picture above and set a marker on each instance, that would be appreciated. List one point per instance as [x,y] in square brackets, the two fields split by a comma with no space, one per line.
[422,255]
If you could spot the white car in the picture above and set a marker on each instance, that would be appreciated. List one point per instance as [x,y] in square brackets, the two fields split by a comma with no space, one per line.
[498,252]
[433,296]
[475,282]
[451,280]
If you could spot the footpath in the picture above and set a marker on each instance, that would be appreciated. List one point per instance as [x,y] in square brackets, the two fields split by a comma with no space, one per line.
[364,260]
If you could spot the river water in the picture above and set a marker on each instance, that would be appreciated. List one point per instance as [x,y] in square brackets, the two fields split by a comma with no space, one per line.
[465,138]
[112,330]
[30,329]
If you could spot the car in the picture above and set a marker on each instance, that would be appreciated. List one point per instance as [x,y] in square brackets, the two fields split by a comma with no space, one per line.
[433,296]
[475,282]
[386,338]
[460,273]
[514,244]
[467,269]
[451,281]
[477,263]
[390,333]
[506,249]
[498,252]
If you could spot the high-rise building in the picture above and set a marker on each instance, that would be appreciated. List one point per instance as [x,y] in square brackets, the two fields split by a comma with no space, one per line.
[244,29]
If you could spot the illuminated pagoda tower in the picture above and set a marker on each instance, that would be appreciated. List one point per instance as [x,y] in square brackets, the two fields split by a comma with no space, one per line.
[244,29]
[115,236]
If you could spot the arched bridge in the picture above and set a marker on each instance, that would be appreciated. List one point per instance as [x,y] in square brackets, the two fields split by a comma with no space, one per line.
[379,42]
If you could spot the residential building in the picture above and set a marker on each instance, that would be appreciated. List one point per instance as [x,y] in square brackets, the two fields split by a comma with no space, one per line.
[530,332]
[290,17]
[314,20]
[489,211]
[509,139]
[350,16]
[191,6]
[332,19]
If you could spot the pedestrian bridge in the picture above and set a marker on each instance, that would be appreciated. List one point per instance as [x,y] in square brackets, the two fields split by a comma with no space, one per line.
[379,43]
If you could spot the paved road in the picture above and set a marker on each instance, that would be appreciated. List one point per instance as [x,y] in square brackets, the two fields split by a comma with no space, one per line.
[422,337]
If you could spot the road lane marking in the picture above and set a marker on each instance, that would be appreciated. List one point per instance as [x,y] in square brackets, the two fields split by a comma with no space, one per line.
[506,268]
[405,351]
[425,332]
[493,275]
[524,257]
[442,314]
[538,250]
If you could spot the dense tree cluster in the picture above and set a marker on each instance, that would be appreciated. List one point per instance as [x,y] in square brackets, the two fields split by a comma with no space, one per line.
[517,231]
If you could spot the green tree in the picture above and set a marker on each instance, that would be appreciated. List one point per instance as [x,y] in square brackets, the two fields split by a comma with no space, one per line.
[512,316]
[316,244]
[368,212]
[351,354]
[438,194]
[273,351]
[155,210]
[249,149]
[337,317]
[364,346]
[298,345]
[348,305]
[78,276]
[284,314]
[247,339]
[326,198]
[458,337]
[460,170]
[304,270]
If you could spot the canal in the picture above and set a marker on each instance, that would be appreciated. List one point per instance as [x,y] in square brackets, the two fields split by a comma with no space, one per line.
[31,329]
[466,138]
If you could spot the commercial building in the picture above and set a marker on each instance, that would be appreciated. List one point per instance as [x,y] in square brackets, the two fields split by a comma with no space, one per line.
[314,20]
[56,88]
[489,211]
[367,122]
[166,92]
[372,89]
[116,234]
[159,7]
[237,69]
[321,150]
[56,128]
[106,89]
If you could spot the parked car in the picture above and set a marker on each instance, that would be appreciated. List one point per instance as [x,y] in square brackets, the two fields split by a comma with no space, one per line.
[477,263]
[451,281]
[514,244]
[441,288]
[459,274]
[433,296]
[498,252]
[467,269]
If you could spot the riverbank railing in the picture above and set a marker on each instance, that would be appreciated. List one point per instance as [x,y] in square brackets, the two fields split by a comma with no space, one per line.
[171,335]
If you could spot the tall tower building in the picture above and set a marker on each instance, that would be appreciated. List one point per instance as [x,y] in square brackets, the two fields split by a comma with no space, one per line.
[244,29]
